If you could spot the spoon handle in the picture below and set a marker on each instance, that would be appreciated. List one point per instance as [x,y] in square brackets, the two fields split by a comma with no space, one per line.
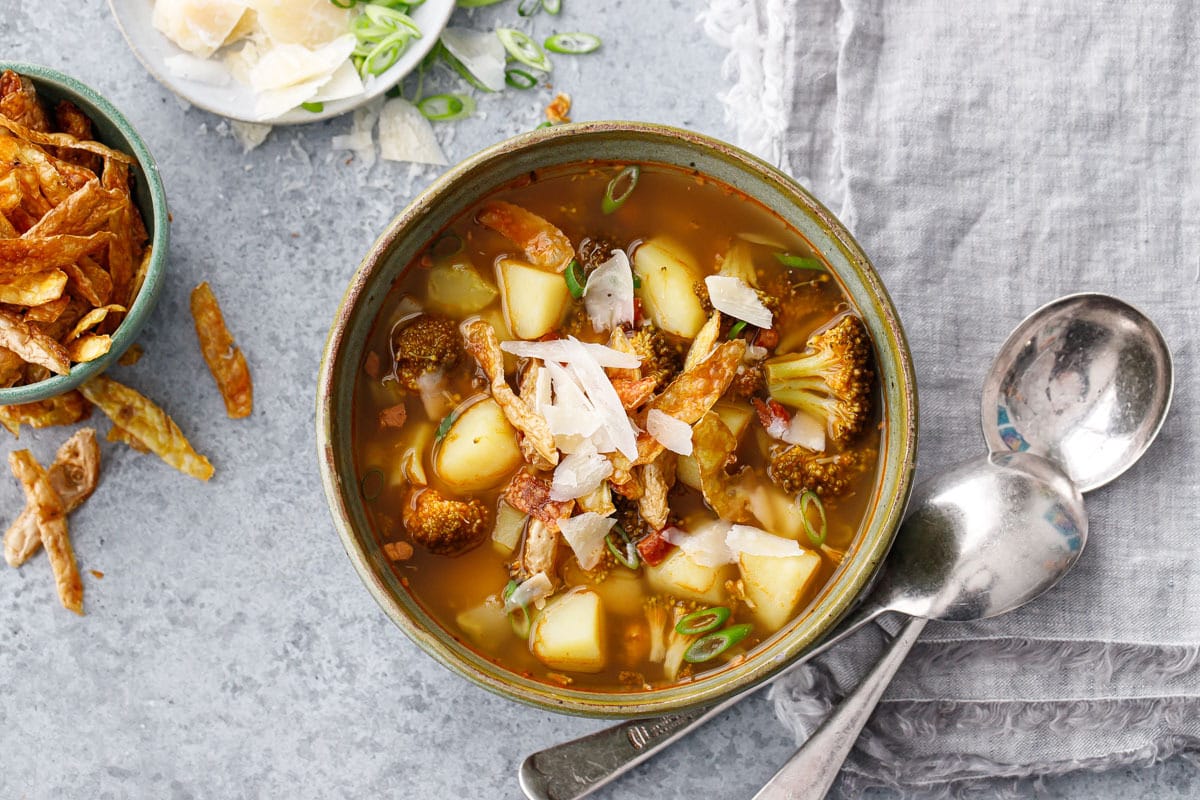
[577,768]
[810,773]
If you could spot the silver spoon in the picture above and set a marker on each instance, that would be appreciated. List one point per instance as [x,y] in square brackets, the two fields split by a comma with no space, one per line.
[576,768]
[1086,380]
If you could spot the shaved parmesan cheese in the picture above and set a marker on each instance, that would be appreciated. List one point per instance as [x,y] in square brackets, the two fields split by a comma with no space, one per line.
[249,134]
[292,64]
[273,102]
[600,391]
[778,428]
[673,434]
[706,545]
[563,350]
[542,395]
[572,414]
[481,52]
[579,474]
[732,296]
[585,533]
[405,134]
[343,83]
[198,70]
[757,542]
[806,431]
[310,23]
[198,26]
[529,591]
[608,296]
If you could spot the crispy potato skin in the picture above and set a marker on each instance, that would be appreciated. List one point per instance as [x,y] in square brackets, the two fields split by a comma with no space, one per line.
[225,361]
[51,515]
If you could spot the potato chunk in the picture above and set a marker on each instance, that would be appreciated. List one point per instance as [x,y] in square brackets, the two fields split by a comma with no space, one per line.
[479,451]
[569,633]
[679,576]
[535,300]
[777,584]
[668,273]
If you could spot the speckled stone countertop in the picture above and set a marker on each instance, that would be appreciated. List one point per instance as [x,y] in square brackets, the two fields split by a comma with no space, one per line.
[230,650]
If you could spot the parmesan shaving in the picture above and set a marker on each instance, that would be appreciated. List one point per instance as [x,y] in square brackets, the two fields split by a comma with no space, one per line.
[197,70]
[671,433]
[579,474]
[608,296]
[585,534]
[529,592]
[732,296]
[757,542]
[405,135]
[706,545]
[480,52]
[566,350]
[806,431]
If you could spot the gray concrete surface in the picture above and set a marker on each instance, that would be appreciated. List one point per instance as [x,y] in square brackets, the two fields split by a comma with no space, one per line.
[230,651]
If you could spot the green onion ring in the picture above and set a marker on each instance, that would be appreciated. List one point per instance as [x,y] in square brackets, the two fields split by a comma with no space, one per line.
[703,621]
[372,483]
[737,329]
[552,6]
[809,497]
[444,427]
[344,3]
[520,624]
[792,261]
[527,8]
[709,647]
[524,49]
[575,43]
[629,557]
[476,3]
[611,200]
[637,282]
[444,107]
[385,54]
[519,78]
[544,125]
[315,108]
[576,282]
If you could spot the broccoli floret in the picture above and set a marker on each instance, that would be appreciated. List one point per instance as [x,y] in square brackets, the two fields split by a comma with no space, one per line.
[443,525]
[667,645]
[796,469]
[661,358]
[796,294]
[748,381]
[594,251]
[630,519]
[427,344]
[830,380]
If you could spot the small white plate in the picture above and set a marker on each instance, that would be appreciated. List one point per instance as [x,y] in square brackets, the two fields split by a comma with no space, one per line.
[237,101]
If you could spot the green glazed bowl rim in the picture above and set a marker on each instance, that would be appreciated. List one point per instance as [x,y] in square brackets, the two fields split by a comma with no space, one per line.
[157,223]
[855,575]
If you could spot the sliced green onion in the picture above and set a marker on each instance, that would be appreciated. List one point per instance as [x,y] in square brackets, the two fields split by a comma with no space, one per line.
[313,107]
[712,645]
[637,282]
[737,329]
[444,427]
[702,621]
[461,69]
[527,8]
[519,78]
[544,125]
[799,262]
[524,49]
[575,43]
[372,484]
[518,618]
[809,498]
[384,55]
[612,201]
[444,107]
[626,552]
[344,3]
[552,6]
[576,281]
[476,3]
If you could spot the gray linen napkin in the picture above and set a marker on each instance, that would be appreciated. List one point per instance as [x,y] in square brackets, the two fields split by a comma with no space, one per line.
[989,157]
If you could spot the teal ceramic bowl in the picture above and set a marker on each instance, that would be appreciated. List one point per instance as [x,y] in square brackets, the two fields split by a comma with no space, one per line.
[625,142]
[114,130]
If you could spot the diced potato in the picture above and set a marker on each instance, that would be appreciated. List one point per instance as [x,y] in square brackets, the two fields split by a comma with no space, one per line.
[479,451]
[777,584]
[506,533]
[622,593]
[535,300]
[486,624]
[736,416]
[457,289]
[668,273]
[678,575]
[687,471]
[569,632]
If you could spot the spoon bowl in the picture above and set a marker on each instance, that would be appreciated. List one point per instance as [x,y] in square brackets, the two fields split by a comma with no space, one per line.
[1085,381]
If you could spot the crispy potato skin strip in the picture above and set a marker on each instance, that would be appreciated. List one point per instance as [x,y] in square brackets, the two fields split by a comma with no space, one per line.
[74,475]
[19,102]
[84,212]
[33,288]
[62,140]
[703,344]
[544,245]
[693,392]
[530,494]
[89,347]
[32,345]
[148,423]
[23,255]
[540,549]
[634,393]
[51,517]
[225,361]
[63,409]
[618,341]
[657,477]
[714,444]
[119,434]
[480,340]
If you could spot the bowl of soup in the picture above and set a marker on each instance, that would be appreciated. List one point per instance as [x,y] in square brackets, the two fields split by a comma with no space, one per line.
[616,419]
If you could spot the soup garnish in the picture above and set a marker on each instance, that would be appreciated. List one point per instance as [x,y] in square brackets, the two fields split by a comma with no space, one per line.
[626,419]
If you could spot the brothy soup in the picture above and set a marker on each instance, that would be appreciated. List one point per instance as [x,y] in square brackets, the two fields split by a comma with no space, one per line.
[616,426]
